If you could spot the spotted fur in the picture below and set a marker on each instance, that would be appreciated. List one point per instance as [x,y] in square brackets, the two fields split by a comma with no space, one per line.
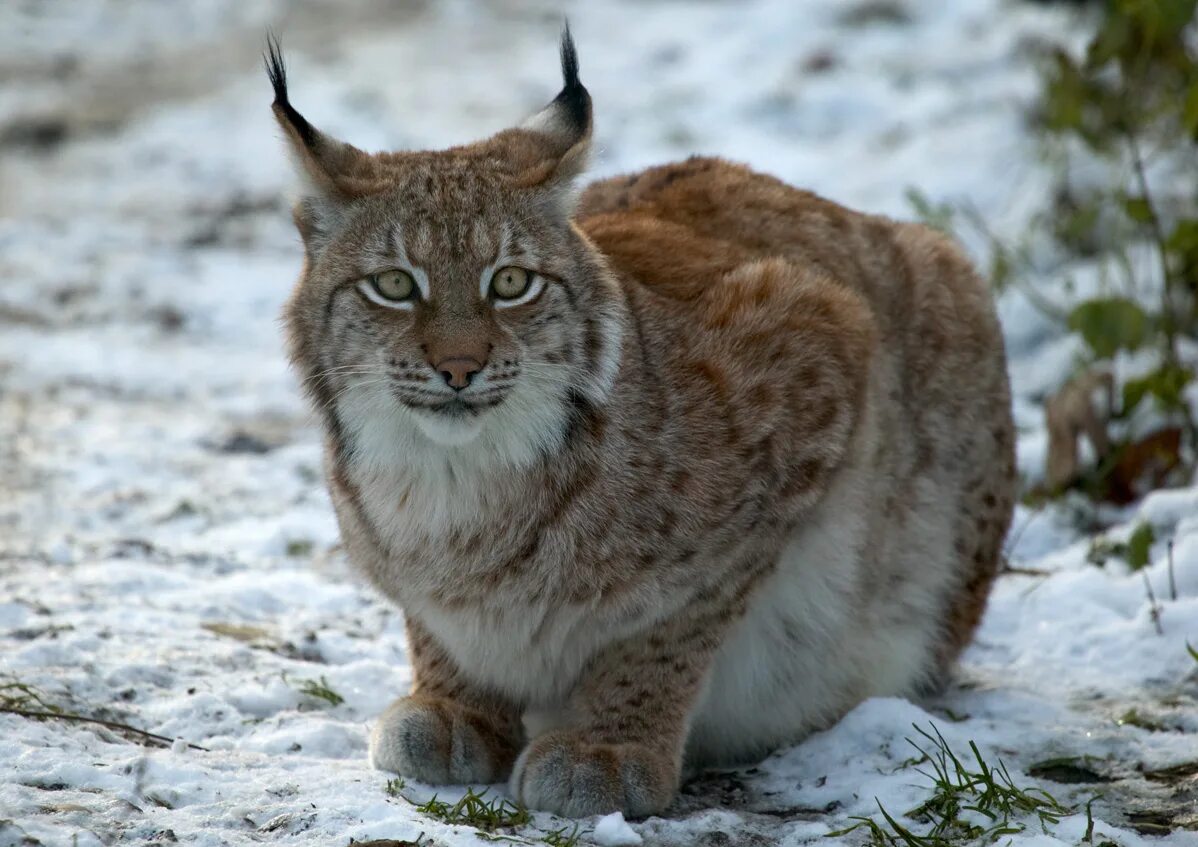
[745,460]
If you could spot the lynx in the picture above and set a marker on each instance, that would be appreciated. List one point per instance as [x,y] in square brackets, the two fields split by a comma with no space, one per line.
[664,473]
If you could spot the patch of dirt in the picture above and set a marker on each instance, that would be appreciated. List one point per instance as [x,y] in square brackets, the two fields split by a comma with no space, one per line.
[1068,771]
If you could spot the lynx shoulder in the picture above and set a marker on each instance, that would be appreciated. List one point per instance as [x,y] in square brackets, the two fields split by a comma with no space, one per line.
[671,470]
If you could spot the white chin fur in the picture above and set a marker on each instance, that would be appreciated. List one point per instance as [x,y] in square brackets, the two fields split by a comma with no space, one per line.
[447,431]
[384,434]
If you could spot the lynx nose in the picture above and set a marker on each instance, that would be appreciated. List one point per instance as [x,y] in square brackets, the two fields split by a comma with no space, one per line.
[458,371]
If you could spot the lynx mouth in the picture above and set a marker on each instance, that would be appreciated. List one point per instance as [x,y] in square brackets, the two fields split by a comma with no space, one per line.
[457,408]
[454,408]
[452,423]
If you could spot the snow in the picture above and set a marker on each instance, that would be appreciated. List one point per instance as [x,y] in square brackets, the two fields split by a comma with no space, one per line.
[613,831]
[168,556]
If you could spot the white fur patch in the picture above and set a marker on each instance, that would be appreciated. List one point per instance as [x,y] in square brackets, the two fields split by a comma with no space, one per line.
[443,464]
[811,645]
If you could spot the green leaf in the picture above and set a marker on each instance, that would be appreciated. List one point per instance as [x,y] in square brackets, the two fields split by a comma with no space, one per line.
[936,215]
[1113,39]
[1064,95]
[1139,545]
[1189,112]
[1138,209]
[1133,392]
[1174,15]
[1193,653]
[1110,324]
[1167,384]
[1000,268]
[1184,238]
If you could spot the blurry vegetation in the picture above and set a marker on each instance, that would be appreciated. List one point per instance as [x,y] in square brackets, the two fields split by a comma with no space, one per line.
[299,547]
[1136,718]
[871,12]
[564,837]
[1134,551]
[1120,131]
[319,690]
[17,695]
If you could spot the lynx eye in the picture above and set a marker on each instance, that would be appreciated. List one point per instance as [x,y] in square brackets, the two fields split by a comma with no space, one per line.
[394,289]
[394,285]
[511,282]
[512,286]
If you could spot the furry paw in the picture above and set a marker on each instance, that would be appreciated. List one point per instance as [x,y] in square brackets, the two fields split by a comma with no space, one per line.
[439,741]
[564,774]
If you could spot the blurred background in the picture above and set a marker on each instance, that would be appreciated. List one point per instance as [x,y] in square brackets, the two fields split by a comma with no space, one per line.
[162,519]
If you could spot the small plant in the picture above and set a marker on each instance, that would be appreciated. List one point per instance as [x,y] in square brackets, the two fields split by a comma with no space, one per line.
[475,810]
[559,838]
[15,694]
[320,690]
[299,547]
[501,839]
[1134,717]
[395,787]
[1132,100]
[960,789]
[1134,551]
[990,791]
[1125,109]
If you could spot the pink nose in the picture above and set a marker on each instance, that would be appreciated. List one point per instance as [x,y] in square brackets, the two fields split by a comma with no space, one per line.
[458,371]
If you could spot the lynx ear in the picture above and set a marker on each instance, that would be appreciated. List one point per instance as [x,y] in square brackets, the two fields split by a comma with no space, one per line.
[332,173]
[561,132]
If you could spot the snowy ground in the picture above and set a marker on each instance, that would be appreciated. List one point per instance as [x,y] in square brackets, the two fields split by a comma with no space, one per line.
[168,557]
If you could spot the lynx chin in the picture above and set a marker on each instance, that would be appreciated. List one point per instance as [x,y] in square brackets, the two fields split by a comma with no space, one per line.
[664,472]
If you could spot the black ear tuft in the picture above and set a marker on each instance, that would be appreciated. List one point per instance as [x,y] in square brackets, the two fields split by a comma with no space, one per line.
[573,98]
[277,71]
[569,58]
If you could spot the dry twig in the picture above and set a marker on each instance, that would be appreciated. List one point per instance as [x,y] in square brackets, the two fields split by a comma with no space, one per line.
[64,716]
[1172,579]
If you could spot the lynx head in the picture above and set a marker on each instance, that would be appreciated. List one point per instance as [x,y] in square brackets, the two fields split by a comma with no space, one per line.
[447,303]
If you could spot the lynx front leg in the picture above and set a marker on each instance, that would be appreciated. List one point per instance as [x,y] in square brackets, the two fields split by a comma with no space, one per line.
[446,730]
[630,713]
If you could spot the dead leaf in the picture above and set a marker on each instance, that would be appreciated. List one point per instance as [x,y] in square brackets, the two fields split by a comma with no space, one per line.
[1143,466]
[244,633]
[1071,413]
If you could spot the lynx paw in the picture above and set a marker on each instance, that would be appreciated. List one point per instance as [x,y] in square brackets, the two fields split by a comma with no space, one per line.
[563,774]
[439,741]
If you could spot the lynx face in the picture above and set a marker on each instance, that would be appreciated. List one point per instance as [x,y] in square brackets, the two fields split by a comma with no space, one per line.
[449,317]
[447,292]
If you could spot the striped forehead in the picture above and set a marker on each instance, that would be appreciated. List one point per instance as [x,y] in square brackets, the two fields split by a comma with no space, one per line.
[432,243]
